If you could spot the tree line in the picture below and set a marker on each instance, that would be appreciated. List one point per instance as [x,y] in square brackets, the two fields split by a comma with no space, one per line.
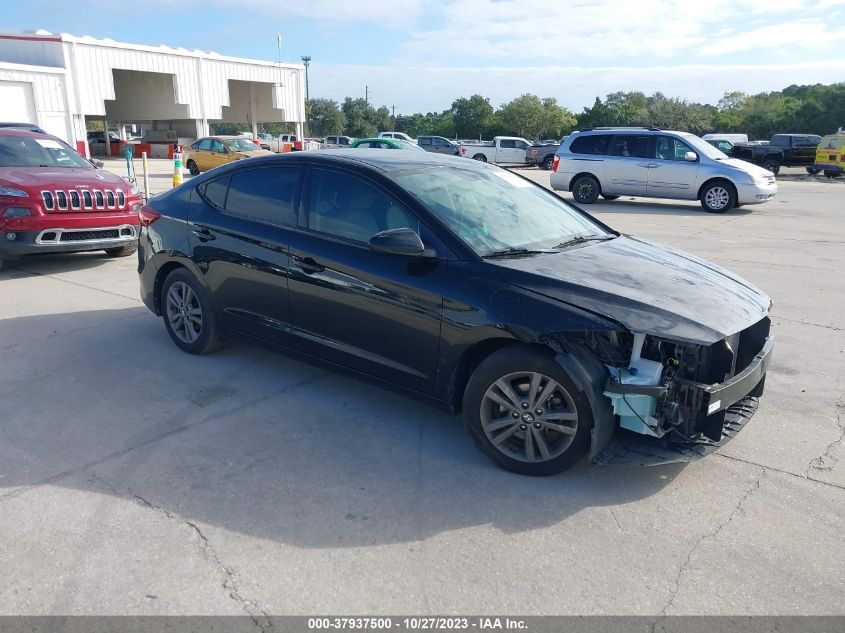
[816,109]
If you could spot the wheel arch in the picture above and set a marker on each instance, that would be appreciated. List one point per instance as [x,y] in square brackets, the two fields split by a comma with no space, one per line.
[471,358]
[714,180]
[585,173]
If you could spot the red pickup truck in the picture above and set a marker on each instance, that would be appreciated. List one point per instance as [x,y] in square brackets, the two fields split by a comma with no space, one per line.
[52,200]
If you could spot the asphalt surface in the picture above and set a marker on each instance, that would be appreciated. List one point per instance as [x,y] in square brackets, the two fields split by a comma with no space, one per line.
[136,479]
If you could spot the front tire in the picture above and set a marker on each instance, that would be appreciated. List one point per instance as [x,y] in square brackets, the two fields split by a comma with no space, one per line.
[586,189]
[188,314]
[525,413]
[121,251]
[813,171]
[193,168]
[718,197]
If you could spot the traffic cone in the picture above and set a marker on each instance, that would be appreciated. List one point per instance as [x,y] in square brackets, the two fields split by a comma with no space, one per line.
[177,166]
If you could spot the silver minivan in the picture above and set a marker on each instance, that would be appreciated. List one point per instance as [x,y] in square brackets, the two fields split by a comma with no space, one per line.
[654,163]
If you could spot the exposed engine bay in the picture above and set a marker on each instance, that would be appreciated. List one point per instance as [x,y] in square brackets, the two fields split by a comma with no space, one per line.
[681,395]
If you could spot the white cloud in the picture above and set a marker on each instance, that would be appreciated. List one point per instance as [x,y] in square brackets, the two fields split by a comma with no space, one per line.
[433,88]
[587,30]
[810,34]
[389,13]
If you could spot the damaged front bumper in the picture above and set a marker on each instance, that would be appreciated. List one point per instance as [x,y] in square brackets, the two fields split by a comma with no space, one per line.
[631,449]
[727,406]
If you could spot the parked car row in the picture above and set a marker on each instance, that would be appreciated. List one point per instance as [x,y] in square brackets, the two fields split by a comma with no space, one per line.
[783,150]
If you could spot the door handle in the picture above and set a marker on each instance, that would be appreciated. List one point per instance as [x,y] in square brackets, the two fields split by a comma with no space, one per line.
[203,234]
[309,266]
[646,165]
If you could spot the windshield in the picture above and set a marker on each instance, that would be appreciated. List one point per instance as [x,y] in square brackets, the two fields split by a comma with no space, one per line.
[26,151]
[494,210]
[241,145]
[703,147]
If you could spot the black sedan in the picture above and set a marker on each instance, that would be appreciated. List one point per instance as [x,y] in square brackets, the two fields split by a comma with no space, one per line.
[466,285]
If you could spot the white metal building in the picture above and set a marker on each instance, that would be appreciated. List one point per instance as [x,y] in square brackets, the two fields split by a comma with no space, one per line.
[57,81]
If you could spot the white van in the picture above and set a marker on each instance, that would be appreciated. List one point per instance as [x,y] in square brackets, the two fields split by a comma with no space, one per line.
[724,136]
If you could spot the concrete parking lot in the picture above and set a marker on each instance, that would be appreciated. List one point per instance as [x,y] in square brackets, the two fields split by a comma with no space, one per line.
[136,479]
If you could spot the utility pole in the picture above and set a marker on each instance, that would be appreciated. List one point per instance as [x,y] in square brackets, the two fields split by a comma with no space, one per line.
[393,116]
[366,94]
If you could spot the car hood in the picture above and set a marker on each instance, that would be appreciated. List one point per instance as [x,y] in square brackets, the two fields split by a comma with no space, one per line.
[57,177]
[644,286]
[254,152]
[744,166]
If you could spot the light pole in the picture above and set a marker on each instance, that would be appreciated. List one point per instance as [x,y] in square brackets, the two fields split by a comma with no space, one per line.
[306,59]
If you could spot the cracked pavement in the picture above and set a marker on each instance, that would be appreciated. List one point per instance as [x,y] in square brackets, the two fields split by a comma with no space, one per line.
[135,479]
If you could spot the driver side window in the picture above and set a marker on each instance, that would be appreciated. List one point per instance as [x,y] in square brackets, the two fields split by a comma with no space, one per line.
[217,146]
[345,206]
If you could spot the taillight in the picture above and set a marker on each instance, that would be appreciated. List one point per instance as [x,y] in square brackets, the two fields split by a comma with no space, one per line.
[147,216]
[463,151]
[557,160]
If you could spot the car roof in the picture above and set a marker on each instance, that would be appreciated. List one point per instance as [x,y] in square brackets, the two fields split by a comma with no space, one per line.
[386,162]
[20,131]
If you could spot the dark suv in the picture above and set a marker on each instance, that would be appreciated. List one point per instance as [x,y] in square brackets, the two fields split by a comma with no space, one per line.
[468,286]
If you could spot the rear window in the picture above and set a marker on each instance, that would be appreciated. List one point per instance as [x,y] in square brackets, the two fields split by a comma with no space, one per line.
[592,144]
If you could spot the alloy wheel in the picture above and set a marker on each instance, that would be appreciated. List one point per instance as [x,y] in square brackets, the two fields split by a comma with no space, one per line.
[717,197]
[529,417]
[184,313]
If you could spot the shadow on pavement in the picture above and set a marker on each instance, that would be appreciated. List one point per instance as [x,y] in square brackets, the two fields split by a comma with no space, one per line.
[256,443]
[50,263]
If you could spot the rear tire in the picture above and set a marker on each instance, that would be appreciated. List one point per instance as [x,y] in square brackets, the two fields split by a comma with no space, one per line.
[772,165]
[831,174]
[121,251]
[718,197]
[549,163]
[525,413]
[586,189]
[608,197]
[480,157]
[193,168]
[188,313]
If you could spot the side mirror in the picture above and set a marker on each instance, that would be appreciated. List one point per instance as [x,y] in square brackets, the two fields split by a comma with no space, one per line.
[98,164]
[402,241]
[691,157]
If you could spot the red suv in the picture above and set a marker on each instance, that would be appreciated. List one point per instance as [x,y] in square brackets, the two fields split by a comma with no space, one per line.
[52,200]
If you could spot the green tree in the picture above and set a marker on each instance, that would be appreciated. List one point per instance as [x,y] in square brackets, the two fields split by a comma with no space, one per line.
[324,117]
[557,120]
[524,116]
[471,116]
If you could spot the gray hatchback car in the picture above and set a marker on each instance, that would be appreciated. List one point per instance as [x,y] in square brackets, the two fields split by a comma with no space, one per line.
[654,163]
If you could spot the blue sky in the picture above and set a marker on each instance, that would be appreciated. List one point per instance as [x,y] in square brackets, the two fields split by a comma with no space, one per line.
[420,55]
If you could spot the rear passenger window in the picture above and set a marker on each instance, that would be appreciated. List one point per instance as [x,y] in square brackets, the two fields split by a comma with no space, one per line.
[204,144]
[214,191]
[592,144]
[630,145]
[424,140]
[264,194]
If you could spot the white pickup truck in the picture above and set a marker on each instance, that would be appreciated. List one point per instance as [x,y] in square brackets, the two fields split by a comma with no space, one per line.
[502,150]
[278,144]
